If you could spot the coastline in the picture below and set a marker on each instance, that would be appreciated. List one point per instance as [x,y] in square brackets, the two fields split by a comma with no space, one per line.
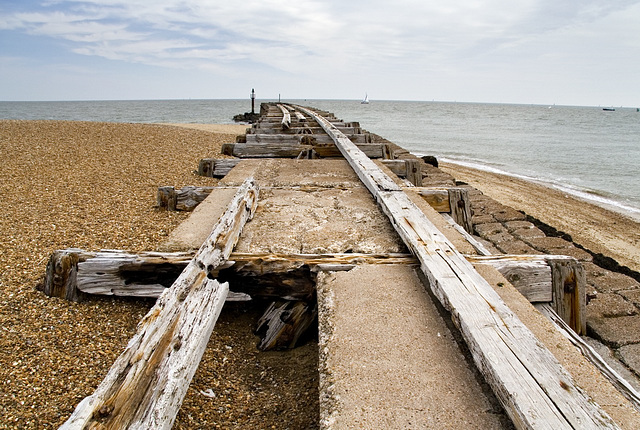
[596,228]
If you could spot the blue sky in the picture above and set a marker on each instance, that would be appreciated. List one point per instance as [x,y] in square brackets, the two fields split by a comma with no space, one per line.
[580,52]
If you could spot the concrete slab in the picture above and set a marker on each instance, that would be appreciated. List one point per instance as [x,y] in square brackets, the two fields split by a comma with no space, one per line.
[282,172]
[192,232]
[388,359]
[327,220]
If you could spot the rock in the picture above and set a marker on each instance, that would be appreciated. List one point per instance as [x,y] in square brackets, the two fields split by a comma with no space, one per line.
[430,159]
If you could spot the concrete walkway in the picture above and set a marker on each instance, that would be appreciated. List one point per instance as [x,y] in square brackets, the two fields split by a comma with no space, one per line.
[387,356]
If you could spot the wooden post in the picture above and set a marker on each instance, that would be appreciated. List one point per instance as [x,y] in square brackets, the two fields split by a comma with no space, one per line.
[534,389]
[167,198]
[217,168]
[414,171]
[461,208]
[146,385]
[569,292]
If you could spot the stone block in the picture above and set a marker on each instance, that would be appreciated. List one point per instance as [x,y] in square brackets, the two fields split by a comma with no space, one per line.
[615,332]
[632,295]
[517,225]
[528,233]
[500,237]
[515,247]
[506,214]
[606,281]
[630,355]
[546,244]
[608,306]
[572,251]
[491,229]
[482,219]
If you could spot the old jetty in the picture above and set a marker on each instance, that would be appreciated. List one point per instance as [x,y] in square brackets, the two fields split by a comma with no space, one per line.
[435,306]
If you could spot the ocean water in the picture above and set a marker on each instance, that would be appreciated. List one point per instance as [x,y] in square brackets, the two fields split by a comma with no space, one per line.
[585,151]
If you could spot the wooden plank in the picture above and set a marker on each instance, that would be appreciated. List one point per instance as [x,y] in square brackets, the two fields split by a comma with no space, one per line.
[284,322]
[535,390]
[297,138]
[286,117]
[184,199]
[216,168]
[414,171]
[367,171]
[146,385]
[74,273]
[531,276]
[607,371]
[292,150]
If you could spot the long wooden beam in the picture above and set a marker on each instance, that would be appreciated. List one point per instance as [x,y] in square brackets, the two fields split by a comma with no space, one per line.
[535,390]
[147,383]
[292,149]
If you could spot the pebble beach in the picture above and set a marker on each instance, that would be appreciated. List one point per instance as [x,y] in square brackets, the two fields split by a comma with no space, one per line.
[93,186]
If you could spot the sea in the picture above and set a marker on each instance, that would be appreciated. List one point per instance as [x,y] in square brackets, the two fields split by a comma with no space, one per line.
[585,151]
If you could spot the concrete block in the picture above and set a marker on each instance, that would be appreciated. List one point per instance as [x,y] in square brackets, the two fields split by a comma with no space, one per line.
[630,355]
[608,306]
[615,332]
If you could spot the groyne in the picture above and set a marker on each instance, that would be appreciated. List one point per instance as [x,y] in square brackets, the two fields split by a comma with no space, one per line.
[359,194]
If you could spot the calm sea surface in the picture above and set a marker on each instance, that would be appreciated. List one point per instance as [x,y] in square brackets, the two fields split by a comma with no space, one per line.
[585,151]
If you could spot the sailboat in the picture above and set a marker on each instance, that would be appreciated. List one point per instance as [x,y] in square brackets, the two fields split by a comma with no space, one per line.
[365,101]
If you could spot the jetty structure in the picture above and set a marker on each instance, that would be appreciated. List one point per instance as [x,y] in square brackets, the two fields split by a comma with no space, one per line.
[423,292]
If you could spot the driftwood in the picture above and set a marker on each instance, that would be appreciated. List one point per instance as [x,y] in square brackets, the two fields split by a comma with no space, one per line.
[145,386]
[534,389]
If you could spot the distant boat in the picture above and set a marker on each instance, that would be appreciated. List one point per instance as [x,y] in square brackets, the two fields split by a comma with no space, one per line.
[365,101]
[609,109]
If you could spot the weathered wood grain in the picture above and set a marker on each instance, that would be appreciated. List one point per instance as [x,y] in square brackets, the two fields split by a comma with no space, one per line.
[216,168]
[145,386]
[288,149]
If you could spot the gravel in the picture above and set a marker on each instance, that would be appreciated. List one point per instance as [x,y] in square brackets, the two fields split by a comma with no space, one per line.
[92,186]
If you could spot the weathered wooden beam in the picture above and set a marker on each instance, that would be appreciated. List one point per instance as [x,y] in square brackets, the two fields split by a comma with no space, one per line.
[284,322]
[607,371]
[409,169]
[216,168]
[452,200]
[268,129]
[74,273]
[305,139]
[286,117]
[184,199]
[292,149]
[460,205]
[534,389]
[146,385]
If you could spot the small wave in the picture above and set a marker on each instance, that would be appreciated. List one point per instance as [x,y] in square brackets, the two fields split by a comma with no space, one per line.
[597,197]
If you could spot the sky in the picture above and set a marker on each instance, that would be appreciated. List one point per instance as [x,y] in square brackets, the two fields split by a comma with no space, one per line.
[572,52]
